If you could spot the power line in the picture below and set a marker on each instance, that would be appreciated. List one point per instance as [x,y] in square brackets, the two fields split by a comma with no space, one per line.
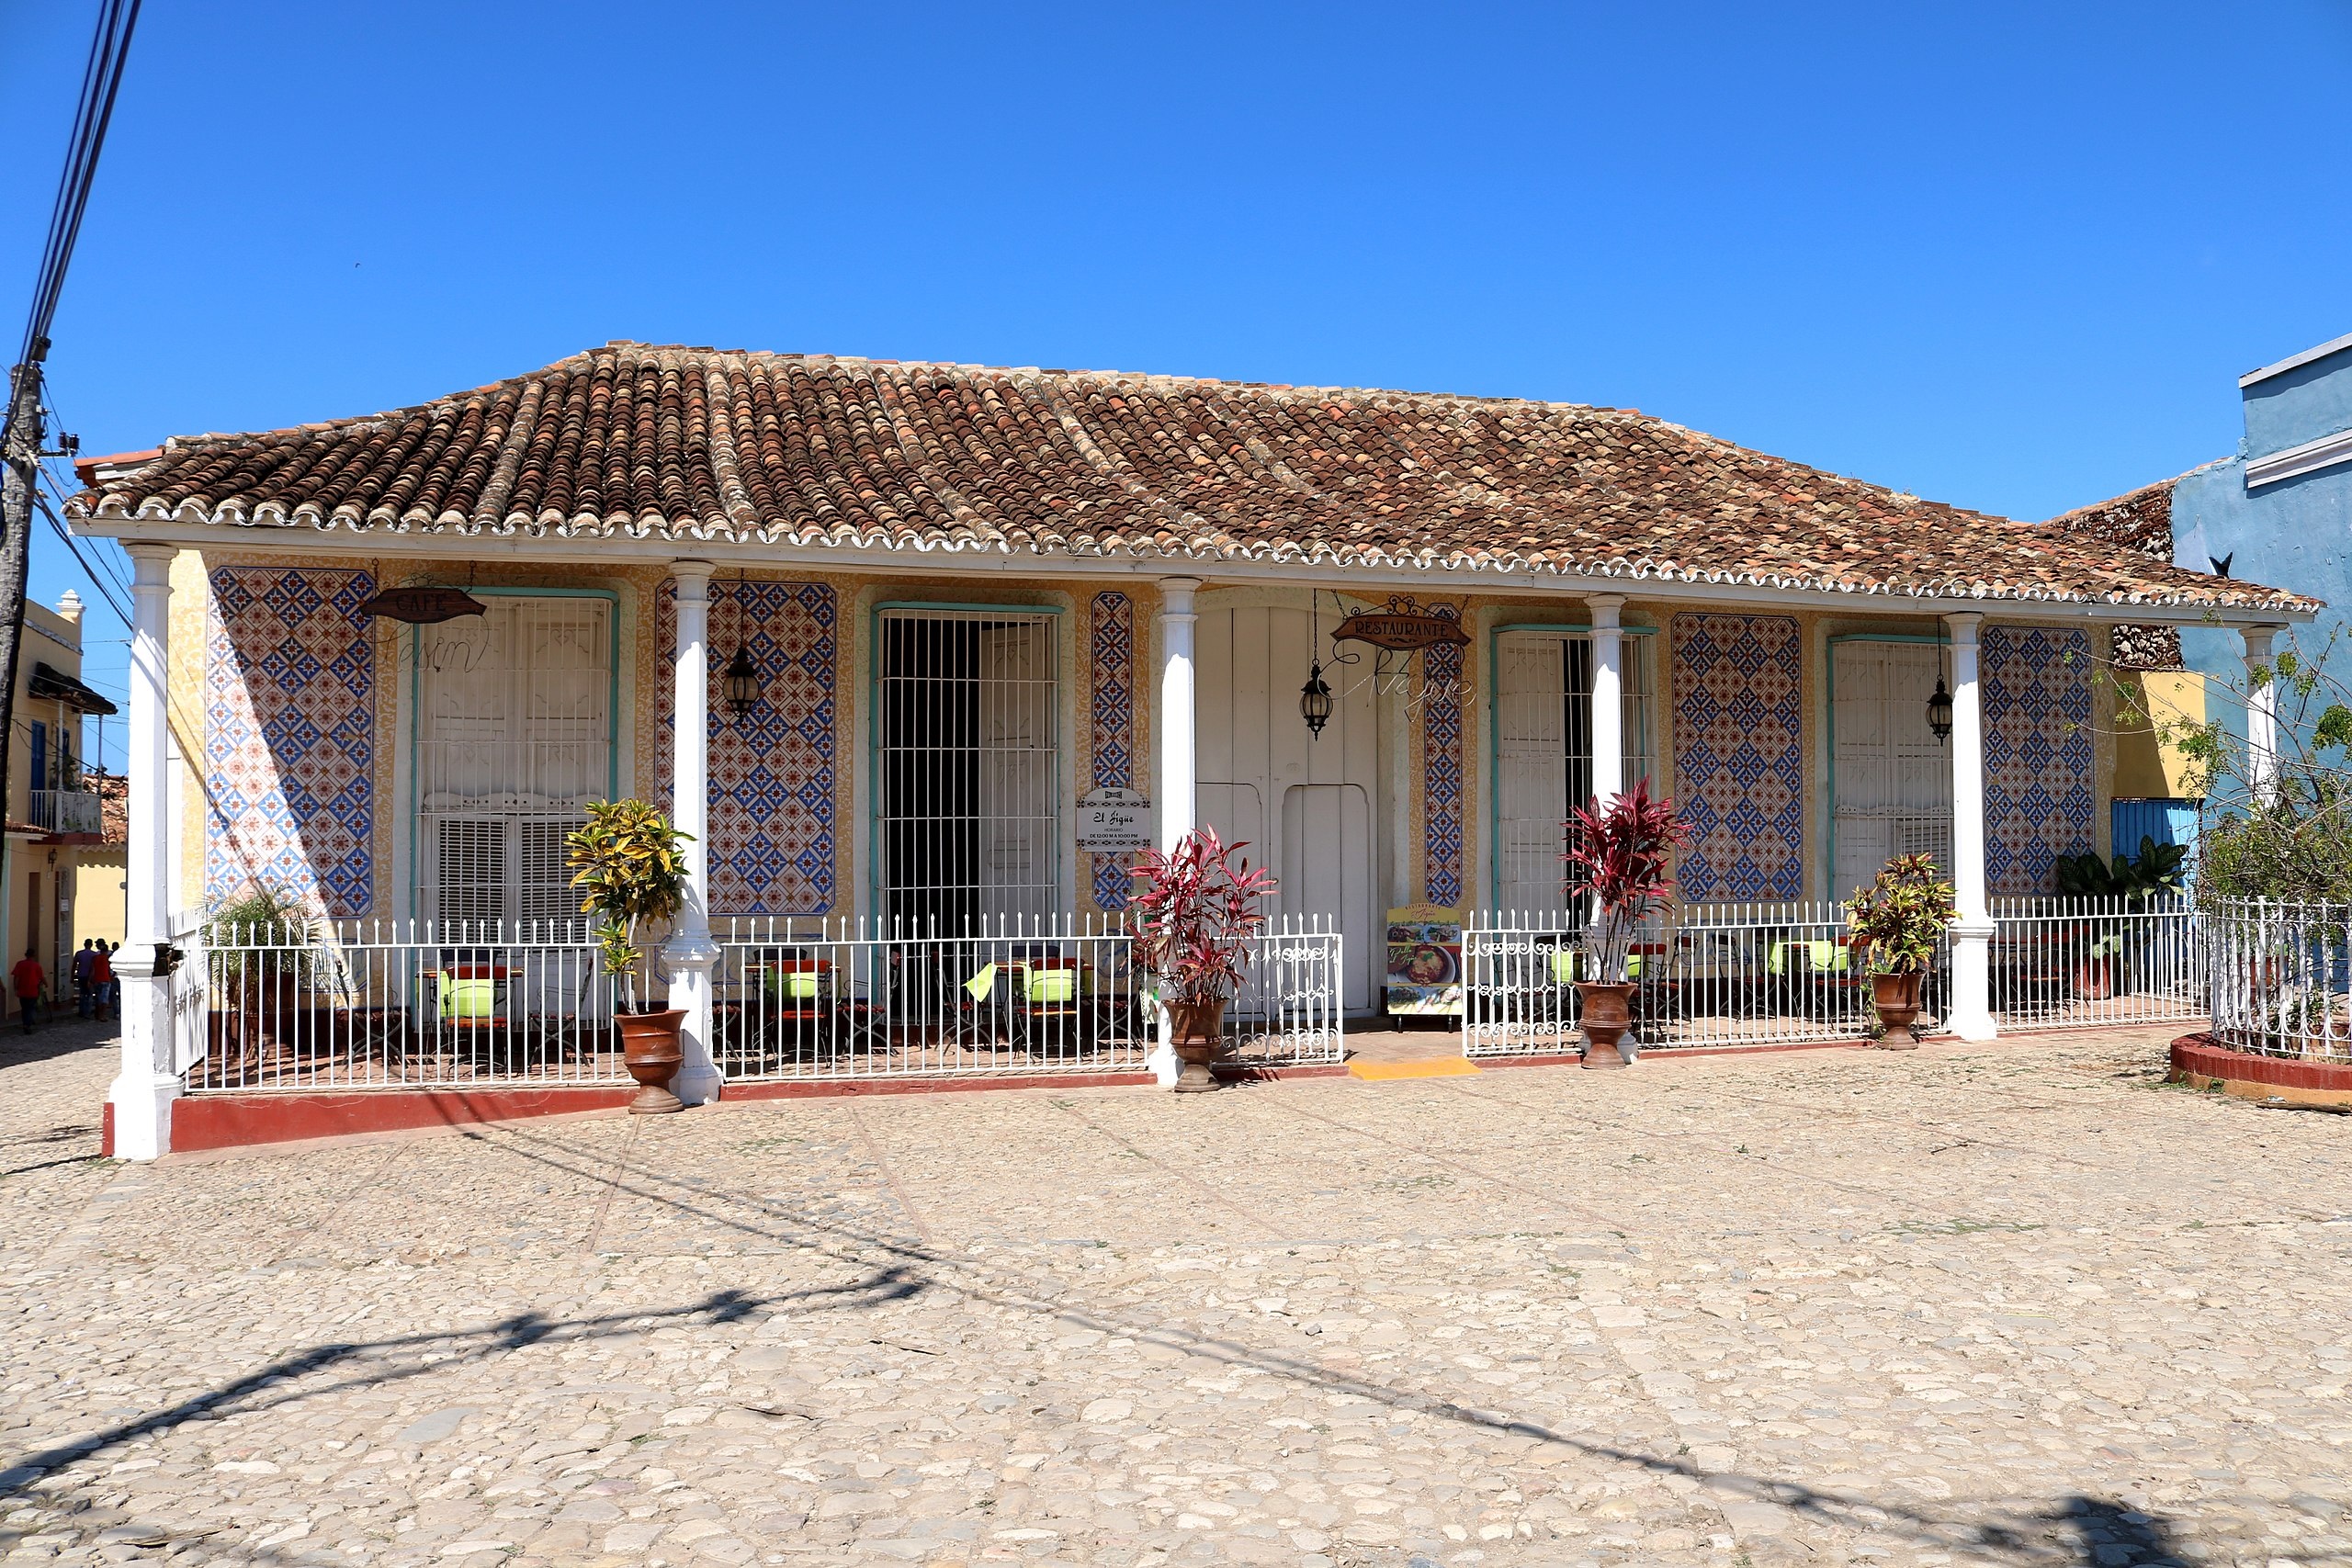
[101,79]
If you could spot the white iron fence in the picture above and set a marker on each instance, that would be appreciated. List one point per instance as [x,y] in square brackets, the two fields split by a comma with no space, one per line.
[1704,975]
[2281,979]
[329,1005]
[1733,974]
[875,999]
[2078,963]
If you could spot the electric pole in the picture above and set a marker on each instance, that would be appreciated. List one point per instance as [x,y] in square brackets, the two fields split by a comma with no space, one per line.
[23,456]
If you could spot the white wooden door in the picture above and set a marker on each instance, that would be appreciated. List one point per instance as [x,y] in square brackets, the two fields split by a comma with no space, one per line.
[1889,777]
[1304,804]
[1532,779]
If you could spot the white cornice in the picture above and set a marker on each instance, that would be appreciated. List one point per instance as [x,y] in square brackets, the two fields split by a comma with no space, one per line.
[1464,576]
[2294,361]
[2308,458]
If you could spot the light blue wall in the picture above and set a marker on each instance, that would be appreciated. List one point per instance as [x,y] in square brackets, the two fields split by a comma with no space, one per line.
[2296,534]
[2299,405]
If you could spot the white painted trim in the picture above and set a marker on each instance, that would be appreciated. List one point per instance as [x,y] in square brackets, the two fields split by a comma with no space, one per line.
[2308,458]
[2296,361]
[1289,571]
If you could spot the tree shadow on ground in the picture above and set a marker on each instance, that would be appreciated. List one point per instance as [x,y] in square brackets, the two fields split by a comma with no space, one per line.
[2074,1531]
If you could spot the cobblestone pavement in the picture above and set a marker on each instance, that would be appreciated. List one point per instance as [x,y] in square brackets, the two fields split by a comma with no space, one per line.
[2016,1303]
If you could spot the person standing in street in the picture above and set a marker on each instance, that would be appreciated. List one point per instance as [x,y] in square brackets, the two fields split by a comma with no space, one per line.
[28,977]
[102,980]
[84,1002]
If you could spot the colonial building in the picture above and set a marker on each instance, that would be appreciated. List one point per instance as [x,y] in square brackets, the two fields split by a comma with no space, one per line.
[963,606]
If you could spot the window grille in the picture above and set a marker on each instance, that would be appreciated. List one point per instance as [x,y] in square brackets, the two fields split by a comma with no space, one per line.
[1544,752]
[514,736]
[968,804]
[1891,778]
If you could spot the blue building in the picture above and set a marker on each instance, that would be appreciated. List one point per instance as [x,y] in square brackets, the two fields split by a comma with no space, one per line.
[2278,511]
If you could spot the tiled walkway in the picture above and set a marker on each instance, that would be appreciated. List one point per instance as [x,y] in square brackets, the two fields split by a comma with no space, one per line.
[2015,1303]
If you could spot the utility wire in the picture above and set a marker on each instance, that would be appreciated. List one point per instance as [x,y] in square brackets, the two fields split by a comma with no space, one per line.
[101,79]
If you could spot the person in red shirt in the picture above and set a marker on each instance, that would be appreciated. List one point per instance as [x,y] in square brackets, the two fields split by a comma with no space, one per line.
[28,977]
[102,981]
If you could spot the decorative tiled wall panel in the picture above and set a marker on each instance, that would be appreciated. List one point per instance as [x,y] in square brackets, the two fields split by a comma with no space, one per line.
[772,771]
[1738,755]
[1442,836]
[289,737]
[2038,779]
[1112,723]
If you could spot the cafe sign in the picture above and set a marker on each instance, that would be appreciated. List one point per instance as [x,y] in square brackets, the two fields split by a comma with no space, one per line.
[1111,821]
[1403,628]
[423,605]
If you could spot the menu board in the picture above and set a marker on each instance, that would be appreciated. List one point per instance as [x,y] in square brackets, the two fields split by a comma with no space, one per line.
[1424,961]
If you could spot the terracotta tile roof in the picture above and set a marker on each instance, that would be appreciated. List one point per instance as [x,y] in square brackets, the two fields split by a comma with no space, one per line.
[2141,521]
[696,443]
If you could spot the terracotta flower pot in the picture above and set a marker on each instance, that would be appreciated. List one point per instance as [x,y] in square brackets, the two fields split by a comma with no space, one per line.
[2095,979]
[1606,1011]
[1196,1031]
[1896,997]
[650,1050]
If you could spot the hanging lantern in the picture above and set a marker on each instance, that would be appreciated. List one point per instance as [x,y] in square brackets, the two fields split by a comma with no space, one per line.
[740,682]
[1315,702]
[1939,711]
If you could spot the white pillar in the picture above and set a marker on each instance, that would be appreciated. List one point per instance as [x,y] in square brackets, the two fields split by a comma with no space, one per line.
[144,1090]
[1609,779]
[1970,1015]
[1177,752]
[2261,712]
[690,953]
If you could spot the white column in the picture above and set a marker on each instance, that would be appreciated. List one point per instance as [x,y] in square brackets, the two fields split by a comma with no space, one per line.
[1971,1011]
[1608,698]
[2261,712]
[1177,752]
[143,1092]
[690,953]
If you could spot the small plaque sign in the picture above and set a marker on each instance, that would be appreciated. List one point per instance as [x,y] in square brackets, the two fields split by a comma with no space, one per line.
[1404,627]
[1112,820]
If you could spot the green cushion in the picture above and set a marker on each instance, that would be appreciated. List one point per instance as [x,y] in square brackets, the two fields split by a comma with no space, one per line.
[469,997]
[1053,984]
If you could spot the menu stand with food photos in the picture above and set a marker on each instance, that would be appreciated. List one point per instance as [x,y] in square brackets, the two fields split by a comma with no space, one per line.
[1424,962]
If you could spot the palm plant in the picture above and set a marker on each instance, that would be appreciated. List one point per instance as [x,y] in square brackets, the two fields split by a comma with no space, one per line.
[1626,851]
[1195,911]
[628,863]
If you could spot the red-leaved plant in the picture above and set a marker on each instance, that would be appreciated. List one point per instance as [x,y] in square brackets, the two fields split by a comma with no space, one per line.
[1625,851]
[1196,910]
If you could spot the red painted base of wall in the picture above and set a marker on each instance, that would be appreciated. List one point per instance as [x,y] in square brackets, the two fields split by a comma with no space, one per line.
[2197,1061]
[229,1121]
[835,1088]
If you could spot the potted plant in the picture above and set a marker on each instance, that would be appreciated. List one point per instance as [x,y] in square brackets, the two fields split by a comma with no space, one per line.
[1625,849]
[627,864]
[1897,920]
[1195,911]
[262,957]
[2129,881]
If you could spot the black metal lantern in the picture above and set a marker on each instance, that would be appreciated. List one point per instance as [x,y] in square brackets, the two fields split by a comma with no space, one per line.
[1315,702]
[740,682]
[1939,711]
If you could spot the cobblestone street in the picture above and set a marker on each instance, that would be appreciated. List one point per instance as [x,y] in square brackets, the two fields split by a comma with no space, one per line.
[2016,1303]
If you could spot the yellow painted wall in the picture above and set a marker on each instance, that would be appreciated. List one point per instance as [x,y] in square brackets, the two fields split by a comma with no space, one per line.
[2146,767]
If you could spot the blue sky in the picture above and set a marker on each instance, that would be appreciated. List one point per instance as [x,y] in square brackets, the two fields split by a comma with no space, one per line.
[2008,256]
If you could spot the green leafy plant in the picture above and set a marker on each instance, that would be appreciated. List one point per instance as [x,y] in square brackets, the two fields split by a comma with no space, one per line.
[260,940]
[2284,831]
[2156,870]
[1901,916]
[627,862]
